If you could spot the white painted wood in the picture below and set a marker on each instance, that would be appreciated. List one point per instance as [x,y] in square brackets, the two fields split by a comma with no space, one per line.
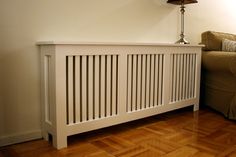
[108,86]
[73,43]
[148,64]
[177,77]
[197,80]
[122,84]
[181,78]
[161,74]
[84,88]
[44,92]
[190,75]
[139,76]
[47,88]
[152,81]
[90,88]
[96,86]
[96,124]
[143,102]
[165,83]
[59,126]
[20,137]
[114,82]
[77,90]
[70,91]
[129,86]
[187,78]
[145,77]
[194,75]
[134,81]
[51,91]
[156,82]
[103,76]
[184,75]
[174,78]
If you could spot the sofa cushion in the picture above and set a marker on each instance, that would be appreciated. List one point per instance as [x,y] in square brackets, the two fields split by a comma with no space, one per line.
[219,61]
[213,40]
[228,45]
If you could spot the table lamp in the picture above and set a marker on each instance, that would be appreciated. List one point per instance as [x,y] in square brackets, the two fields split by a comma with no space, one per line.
[182,39]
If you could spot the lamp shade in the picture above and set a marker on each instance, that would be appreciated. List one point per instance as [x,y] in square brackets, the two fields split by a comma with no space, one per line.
[180,2]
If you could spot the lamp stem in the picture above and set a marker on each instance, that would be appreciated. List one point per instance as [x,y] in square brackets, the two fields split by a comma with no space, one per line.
[182,10]
[182,36]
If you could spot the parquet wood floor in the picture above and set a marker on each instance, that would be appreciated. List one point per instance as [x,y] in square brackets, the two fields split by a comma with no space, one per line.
[180,133]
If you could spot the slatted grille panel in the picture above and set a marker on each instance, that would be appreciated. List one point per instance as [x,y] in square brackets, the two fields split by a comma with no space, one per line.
[144,81]
[91,87]
[183,77]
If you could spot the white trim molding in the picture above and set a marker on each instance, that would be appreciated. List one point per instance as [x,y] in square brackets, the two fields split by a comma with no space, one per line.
[20,137]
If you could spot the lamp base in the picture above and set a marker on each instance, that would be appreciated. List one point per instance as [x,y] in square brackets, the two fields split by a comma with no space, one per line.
[182,41]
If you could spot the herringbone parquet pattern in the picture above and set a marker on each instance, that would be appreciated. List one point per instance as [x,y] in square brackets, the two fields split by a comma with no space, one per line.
[179,133]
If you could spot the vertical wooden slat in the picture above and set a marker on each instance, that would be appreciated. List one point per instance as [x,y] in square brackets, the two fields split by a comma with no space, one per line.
[134,81]
[184,76]
[171,77]
[102,88]
[139,82]
[152,81]
[174,78]
[165,79]
[70,90]
[190,75]
[187,77]
[122,83]
[96,87]
[118,83]
[90,87]
[156,81]
[194,78]
[114,88]
[77,90]
[143,86]
[181,77]
[84,88]
[160,80]
[177,77]
[197,79]
[108,85]
[193,75]
[129,81]
[148,81]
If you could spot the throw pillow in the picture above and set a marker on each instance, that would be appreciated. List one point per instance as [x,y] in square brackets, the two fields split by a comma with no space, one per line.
[228,45]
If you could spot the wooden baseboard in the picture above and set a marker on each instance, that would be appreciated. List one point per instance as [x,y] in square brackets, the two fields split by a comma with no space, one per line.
[21,137]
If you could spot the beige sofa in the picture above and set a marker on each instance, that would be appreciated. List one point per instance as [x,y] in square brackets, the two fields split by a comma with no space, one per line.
[218,74]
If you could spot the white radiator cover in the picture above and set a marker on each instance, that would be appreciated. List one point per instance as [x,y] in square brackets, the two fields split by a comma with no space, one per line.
[87,86]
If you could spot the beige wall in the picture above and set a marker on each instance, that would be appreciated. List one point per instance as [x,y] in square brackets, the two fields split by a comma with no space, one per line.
[23,22]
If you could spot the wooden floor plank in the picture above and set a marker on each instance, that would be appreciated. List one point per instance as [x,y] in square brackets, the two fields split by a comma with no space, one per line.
[178,133]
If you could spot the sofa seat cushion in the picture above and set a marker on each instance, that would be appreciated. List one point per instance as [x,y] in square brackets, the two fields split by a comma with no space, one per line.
[219,61]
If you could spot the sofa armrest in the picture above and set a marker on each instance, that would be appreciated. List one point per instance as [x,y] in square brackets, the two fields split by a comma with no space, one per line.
[219,61]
